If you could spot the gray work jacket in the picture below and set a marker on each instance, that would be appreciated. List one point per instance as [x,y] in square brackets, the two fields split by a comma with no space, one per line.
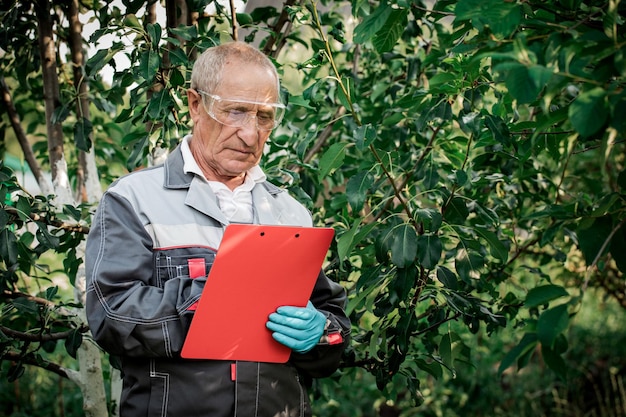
[140,296]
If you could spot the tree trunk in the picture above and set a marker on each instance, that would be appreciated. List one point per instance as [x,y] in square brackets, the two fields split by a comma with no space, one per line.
[89,355]
[89,187]
[89,378]
[58,165]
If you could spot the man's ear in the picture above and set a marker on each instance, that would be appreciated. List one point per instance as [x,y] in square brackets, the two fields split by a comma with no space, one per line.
[194,103]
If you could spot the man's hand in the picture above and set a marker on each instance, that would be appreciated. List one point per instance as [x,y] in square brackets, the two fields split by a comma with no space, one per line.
[298,328]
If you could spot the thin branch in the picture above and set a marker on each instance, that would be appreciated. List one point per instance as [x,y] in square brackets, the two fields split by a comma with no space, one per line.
[564,171]
[355,116]
[29,156]
[435,325]
[36,337]
[38,300]
[279,31]
[40,363]
[70,227]
[323,137]
[233,15]
[329,54]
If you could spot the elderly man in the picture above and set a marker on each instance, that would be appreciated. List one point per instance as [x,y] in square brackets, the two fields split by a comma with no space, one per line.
[149,224]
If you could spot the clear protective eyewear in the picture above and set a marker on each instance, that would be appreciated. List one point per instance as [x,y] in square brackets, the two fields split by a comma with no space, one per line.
[237,113]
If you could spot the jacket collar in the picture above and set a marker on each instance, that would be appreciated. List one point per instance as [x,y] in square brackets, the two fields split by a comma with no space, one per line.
[201,197]
[175,177]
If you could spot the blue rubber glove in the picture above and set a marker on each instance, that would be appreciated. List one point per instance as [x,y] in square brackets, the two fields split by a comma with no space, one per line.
[298,328]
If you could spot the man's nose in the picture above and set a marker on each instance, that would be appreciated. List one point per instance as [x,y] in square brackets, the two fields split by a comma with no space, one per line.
[249,131]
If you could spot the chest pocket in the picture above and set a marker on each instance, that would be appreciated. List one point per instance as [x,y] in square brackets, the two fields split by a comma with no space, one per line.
[175,263]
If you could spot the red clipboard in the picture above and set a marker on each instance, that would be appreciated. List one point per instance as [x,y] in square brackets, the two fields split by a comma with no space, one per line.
[257,269]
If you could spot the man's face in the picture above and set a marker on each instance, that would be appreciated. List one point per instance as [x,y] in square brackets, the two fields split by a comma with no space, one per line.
[225,153]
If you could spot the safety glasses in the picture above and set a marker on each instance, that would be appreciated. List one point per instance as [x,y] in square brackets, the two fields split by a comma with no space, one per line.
[238,113]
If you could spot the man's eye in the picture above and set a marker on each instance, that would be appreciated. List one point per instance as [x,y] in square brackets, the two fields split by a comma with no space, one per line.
[265,116]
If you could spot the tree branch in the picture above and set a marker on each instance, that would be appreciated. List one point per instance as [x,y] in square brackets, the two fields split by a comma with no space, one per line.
[279,31]
[29,156]
[36,337]
[70,227]
[40,363]
[233,16]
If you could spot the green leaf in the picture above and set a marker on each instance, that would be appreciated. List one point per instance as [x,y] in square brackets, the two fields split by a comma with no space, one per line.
[445,350]
[159,105]
[25,306]
[51,292]
[589,112]
[387,37]
[46,238]
[82,134]
[132,21]
[331,160]
[551,323]
[430,218]
[498,128]
[300,101]
[525,346]
[404,245]
[468,264]
[244,19]
[460,177]
[364,136]
[429,250]
[23,208]
[372,23]
[154,33]
[502,17]
[60,114]
[345,242]
[8,247]
[178,57]
[73,342]
[399,290]
[345,98]
[433,368]
[429,175]
[71,211]
[555,362]
[97,61]
[185,32]
[4,219]
[497,248]
[526,83]
[447,278]
[357,189]
[71,264]
[149,65]
[618,248]
[353,238]
[136,156]
[539,296]
[456,211]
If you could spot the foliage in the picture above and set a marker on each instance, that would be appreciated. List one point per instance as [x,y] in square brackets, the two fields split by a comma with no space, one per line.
[34,314]
[469,154]
[481,149]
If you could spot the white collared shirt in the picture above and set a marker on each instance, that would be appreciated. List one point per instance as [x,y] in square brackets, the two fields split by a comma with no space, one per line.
[236,204]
